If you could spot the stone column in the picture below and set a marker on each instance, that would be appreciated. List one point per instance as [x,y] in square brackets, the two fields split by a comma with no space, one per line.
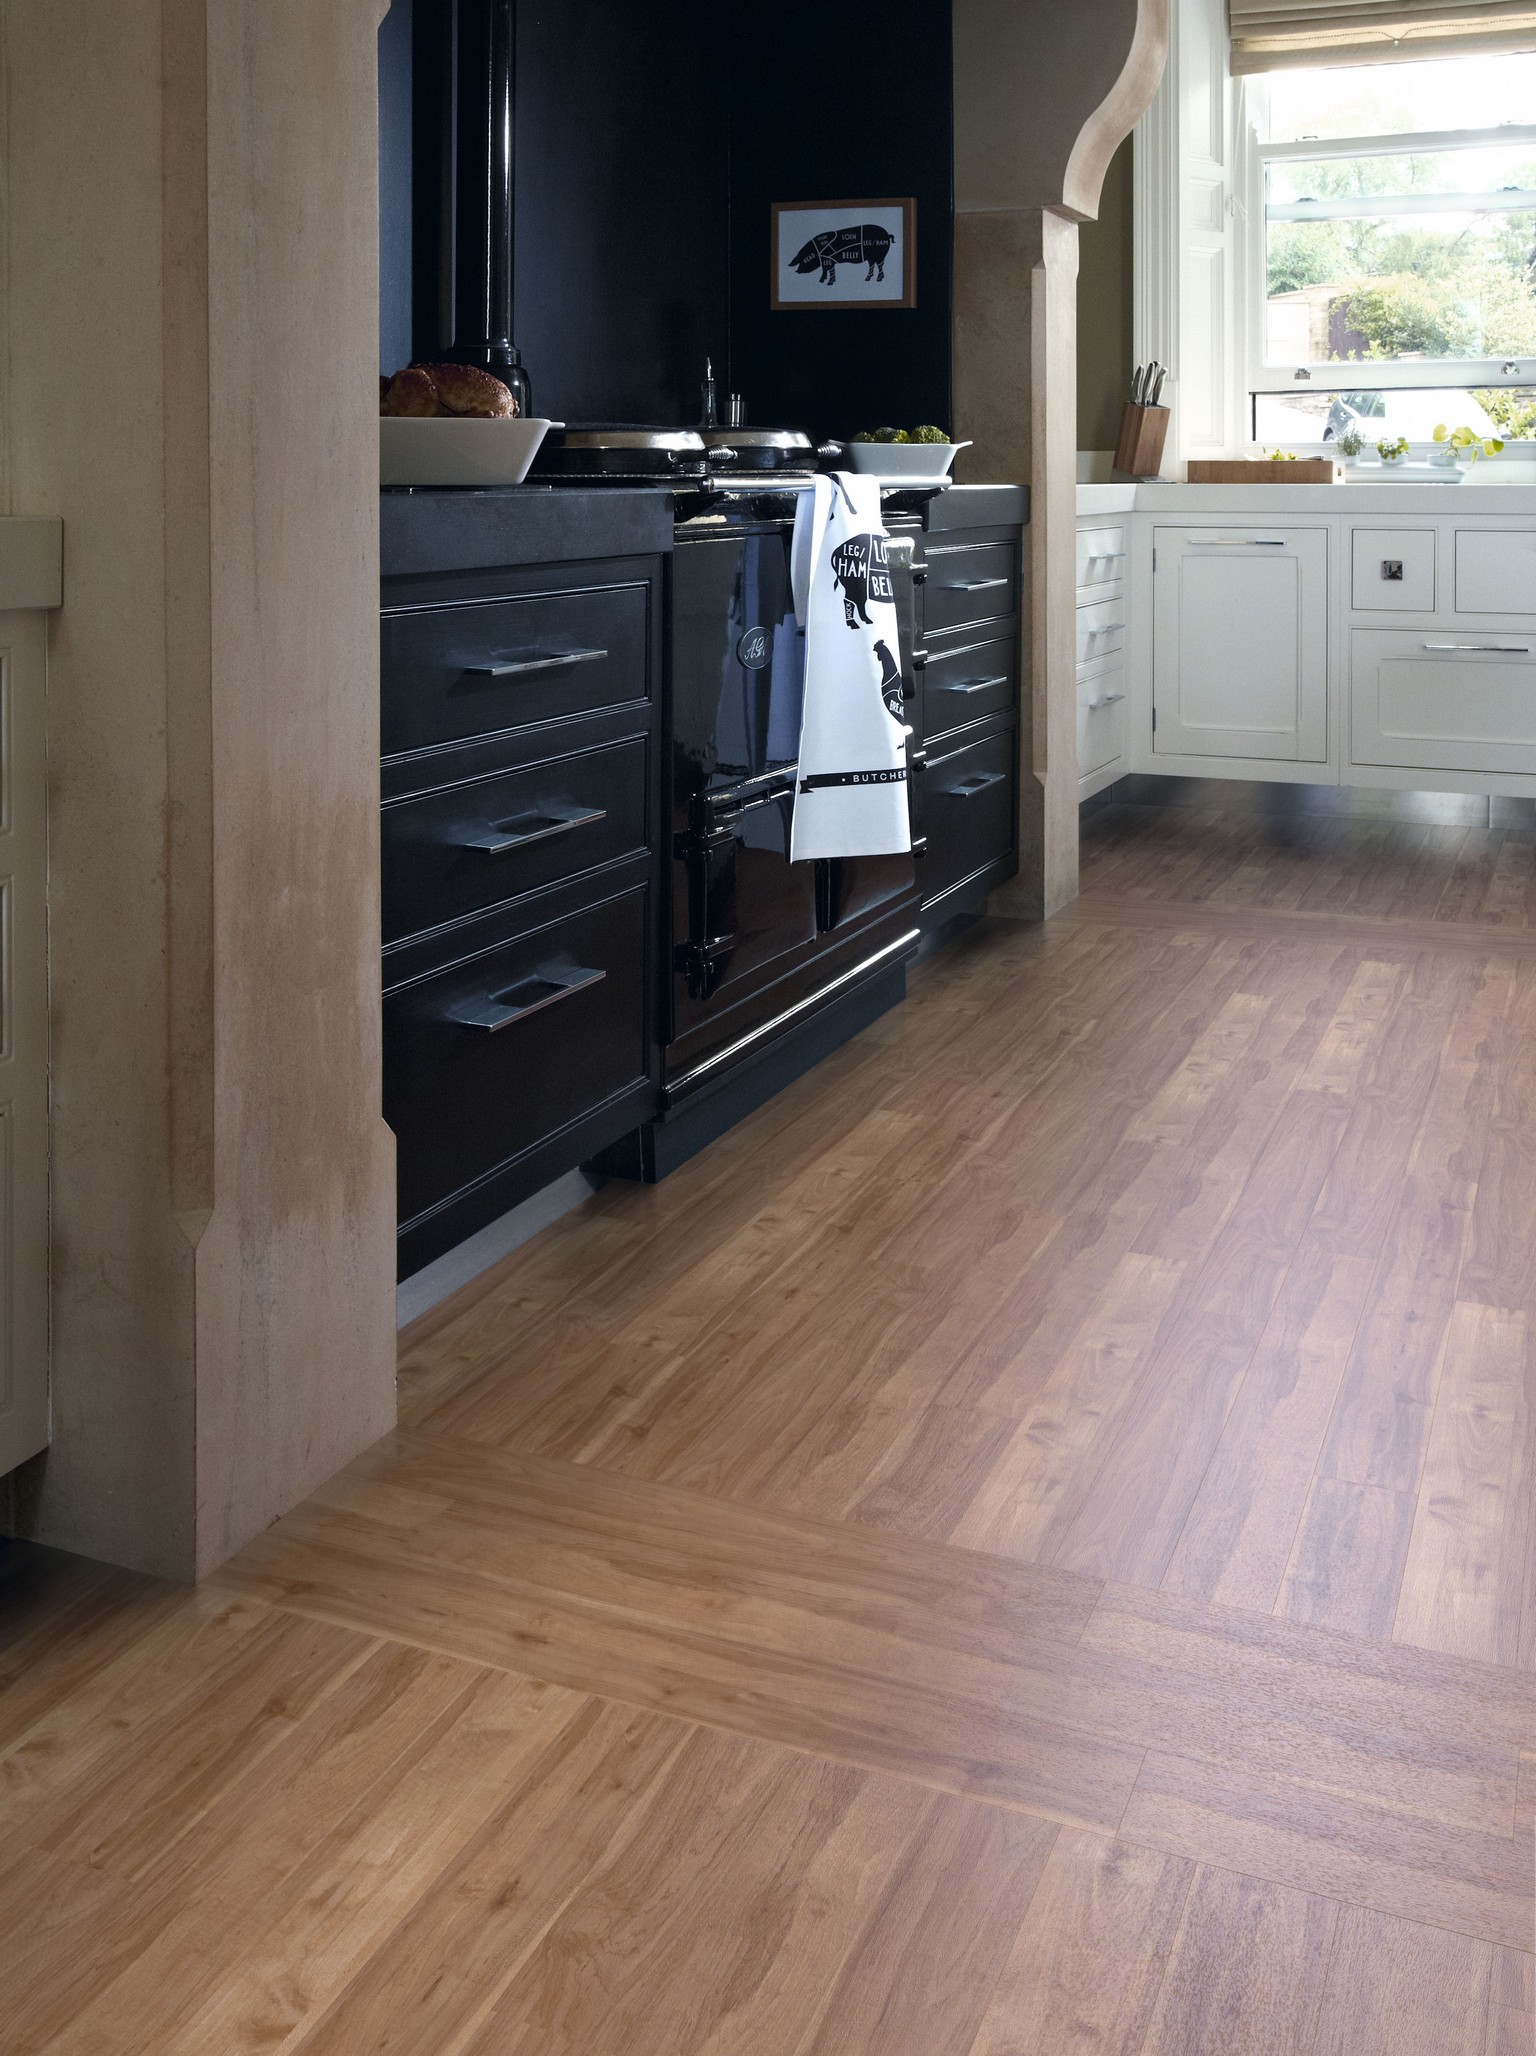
[1044,94]
[190,328]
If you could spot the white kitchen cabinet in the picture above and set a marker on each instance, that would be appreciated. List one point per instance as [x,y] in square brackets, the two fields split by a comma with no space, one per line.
[23,1004]
[1392,570]
[1103,593]
[1442,700]
[1240,643]
[1496,571]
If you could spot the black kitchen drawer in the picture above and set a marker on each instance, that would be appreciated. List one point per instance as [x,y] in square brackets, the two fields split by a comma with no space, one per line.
[977,583]
[476,669]
[962,684]
[453,851]
[465,1099]
[968,812]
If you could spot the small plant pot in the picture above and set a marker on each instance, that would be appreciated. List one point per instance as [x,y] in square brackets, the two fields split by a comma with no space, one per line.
[1392,463]
[1445,457]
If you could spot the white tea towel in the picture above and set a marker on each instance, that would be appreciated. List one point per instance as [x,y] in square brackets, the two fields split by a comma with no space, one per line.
[851,794]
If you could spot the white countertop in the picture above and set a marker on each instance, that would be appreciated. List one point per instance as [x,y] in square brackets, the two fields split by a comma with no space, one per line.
[31,562]
[1275,501]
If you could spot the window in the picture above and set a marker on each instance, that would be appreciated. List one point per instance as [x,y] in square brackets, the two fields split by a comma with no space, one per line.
[1392,227]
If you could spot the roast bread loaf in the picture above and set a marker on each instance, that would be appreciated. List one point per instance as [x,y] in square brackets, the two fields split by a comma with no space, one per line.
[425,390]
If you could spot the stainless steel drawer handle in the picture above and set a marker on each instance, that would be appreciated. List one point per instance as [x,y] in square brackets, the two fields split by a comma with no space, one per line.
[497,837]
[1103,556]
[520,664]
[1489,649]
[1238,542]
[970,685]
[497,1010]
[968,788]
[1110,699]
[972,585]
[1107,628]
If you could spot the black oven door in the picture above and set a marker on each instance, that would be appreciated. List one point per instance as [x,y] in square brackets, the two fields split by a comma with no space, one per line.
[741,912]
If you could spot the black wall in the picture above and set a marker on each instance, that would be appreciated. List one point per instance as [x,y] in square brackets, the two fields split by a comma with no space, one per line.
[652,138]
[846,101]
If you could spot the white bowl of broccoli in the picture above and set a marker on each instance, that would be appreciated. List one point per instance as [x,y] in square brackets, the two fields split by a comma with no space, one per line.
[899,453]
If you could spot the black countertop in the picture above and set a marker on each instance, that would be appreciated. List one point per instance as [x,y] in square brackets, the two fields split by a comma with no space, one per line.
[425,529]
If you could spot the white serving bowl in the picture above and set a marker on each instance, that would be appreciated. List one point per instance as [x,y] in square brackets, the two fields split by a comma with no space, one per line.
[903,460]
[450,451]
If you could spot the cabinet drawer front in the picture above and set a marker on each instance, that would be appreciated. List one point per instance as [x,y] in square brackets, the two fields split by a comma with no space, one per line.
[1100,558]
[1418,703]
[961,685]
[464,847]
[1393,570]
[1100,631]
[1496,571]
[977,583]
[968,811]
[489,1057]
[1100,720]
[454,672]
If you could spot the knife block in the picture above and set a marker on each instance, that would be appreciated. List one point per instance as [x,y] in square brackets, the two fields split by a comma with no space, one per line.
[1143,431]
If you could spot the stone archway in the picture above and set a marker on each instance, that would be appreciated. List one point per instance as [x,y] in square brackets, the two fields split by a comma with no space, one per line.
[1044,94]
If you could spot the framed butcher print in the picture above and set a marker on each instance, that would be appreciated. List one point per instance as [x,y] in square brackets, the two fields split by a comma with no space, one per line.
[843,253]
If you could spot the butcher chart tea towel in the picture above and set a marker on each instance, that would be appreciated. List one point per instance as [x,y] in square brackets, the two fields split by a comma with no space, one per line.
[851,794]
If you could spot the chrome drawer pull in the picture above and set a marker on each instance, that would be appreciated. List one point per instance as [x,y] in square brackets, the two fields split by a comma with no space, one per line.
[1110,699]
[533,660]
[968,788]
[972,585]
[1238,542]
[498,837]
[492,1013]
[1103,556]
[1488,649]
[1107,628]
[970,685]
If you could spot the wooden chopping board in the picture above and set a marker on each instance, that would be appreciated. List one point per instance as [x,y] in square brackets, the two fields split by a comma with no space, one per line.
[1263,471]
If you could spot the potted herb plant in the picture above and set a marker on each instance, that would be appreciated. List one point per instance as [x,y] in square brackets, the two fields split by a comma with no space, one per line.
[1463,445]
[1393,449]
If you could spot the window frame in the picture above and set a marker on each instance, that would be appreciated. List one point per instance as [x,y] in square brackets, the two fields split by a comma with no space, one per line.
[1408,374]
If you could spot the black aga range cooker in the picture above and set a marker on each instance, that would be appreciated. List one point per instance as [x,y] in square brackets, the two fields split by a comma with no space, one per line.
[769,963]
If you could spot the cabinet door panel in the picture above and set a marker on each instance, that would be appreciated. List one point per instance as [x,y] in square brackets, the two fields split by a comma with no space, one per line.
[1240,643]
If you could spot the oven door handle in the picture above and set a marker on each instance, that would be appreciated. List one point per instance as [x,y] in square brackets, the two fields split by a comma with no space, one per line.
[492,1012]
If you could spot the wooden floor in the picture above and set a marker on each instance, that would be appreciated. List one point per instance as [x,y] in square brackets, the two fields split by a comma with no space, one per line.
[1026,1547]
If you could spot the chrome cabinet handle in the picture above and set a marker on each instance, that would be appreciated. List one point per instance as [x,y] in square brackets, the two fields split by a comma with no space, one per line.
[968,788]
[972,585]
[1500,649]
[1238,542]
[970,685]
[1106,628]
[1102,556]
[492,1011]
[1110,699]
[518,666]
[495,838]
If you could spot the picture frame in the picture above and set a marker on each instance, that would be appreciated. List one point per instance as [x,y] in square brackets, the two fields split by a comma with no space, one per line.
[842,254]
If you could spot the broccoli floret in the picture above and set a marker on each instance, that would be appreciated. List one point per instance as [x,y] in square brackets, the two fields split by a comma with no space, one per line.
[929,434]
[888,435]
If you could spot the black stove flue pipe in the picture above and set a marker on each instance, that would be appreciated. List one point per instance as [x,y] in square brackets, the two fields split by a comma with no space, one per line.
[465,61]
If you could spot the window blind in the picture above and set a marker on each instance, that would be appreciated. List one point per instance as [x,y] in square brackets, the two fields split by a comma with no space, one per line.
[1278,35]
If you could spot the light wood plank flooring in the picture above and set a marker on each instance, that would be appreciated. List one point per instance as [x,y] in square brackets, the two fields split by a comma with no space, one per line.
[1026,1547]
